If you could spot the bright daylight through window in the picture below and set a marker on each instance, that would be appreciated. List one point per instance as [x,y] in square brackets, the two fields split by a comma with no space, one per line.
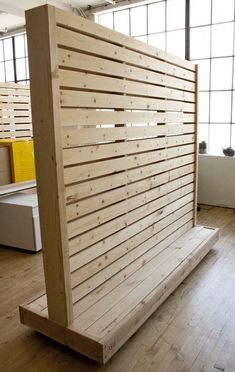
[211,34]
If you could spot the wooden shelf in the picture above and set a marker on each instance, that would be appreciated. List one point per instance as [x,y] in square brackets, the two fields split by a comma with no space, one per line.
[101,330]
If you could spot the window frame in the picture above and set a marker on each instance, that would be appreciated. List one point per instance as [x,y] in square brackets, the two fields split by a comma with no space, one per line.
[188,45]
[15,59]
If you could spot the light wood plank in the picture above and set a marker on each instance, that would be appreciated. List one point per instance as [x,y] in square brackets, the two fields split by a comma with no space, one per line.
[14,99]
[14,86]
[175,321]
[158,296]
[67,336]
[87,301]
[16,134]
[15,120]
[80,42]
[97,218]
[84,81]
[86,239]
[14,107]
[135,261]
[71,98]
[86,206]
[74,136]
[92,187]
[97,316]
[85,27]
[140,287]
[90,276]
[91,170]
[138,229]
[7,91]
[5,113]
[70,117]
[98,152]
[70,59]
[40,25]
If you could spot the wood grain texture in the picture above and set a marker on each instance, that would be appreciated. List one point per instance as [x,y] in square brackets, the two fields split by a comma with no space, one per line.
[116,158]
[174,338]
[15,111]
[131,303]
[50,184]
[85,27]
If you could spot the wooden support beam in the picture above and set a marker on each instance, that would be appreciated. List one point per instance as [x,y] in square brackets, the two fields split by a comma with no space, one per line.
[41,23]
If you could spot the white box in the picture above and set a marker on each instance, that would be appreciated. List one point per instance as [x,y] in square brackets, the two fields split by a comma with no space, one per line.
[19,221]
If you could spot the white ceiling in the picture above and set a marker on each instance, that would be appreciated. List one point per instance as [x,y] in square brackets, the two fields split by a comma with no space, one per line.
[10,22]
[12,11]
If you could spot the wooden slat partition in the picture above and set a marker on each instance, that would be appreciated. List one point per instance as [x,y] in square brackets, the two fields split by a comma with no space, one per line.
[15,111]
[115,141]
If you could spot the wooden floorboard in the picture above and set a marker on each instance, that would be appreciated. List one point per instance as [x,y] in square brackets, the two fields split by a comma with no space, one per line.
[194,330]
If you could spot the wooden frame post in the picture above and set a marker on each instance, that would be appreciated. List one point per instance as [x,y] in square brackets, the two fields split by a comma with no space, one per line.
[41,24]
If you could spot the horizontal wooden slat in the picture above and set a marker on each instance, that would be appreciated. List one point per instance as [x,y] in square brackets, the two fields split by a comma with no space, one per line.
[6,127]
[167,236]
[16,134]
[14,86]
[82,25]
[14,99]
[125,253]
[97,218]
[14,106]
[130,294]
[88,171]
[69,98]
[97,152]
[140,248]
[100,232]
[16,121]
[129,210]
[80,42]
[14,92]
[80,80]
[92,187]
[89,262]
[71,116]
[74,136]
[8,113]
[109,197]
[149,303]
[88,63]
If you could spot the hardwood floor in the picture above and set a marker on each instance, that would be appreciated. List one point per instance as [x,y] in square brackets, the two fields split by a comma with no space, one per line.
[193,331]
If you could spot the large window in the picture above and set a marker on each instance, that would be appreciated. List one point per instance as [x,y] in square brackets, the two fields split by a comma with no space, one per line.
[155,23]
[14,59]
[212,47]
[211,38]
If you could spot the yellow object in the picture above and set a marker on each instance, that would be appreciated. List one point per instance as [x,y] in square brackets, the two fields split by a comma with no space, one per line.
[22,159]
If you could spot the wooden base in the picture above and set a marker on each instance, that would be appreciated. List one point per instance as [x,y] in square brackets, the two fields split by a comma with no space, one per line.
[104,335]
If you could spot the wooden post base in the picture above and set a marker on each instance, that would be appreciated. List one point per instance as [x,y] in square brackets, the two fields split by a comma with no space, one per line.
[107,332]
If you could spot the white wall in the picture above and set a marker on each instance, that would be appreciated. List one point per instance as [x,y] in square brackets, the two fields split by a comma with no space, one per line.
[216,180]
